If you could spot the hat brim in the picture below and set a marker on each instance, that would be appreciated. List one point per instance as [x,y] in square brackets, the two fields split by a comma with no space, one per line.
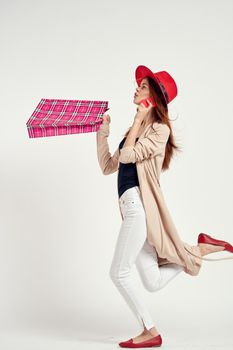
[142,72]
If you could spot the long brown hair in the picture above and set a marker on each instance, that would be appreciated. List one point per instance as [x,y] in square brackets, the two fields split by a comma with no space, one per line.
[160,115]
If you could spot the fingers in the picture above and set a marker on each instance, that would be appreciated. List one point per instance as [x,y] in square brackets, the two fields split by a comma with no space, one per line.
[106,118]
[149,104]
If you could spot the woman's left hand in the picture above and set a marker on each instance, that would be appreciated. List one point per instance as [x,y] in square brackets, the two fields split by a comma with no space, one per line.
[142,111]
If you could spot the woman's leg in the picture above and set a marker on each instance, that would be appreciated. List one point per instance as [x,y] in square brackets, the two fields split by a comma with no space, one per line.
[153,276]
[132,235]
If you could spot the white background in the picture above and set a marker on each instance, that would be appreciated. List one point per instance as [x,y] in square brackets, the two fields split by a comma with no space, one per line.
[59,215]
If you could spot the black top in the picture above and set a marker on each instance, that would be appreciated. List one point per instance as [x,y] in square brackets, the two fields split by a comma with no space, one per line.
[127,174]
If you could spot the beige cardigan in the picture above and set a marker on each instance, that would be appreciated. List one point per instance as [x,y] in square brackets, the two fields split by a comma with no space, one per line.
[148,154]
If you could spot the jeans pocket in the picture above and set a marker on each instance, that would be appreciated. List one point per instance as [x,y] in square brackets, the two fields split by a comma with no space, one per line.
[131,205]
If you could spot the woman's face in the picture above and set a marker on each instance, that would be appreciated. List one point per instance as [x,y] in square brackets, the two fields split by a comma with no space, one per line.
[142,91]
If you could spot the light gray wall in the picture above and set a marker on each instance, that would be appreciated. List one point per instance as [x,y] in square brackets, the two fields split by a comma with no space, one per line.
[59,215]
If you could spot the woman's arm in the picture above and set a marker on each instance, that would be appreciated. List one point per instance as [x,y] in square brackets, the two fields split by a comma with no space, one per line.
[108,163]
[147,147]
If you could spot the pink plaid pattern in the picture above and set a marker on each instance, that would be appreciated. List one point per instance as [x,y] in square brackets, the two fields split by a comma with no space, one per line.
[53,117]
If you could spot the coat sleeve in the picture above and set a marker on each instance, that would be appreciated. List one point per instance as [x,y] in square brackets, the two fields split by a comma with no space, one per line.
[108,163]
[147,147]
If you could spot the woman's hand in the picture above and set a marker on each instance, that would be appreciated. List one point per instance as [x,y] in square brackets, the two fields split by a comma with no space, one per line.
[106,119]
[142,111]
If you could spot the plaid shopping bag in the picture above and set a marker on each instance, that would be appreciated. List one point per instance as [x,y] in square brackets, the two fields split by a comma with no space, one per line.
[53,117]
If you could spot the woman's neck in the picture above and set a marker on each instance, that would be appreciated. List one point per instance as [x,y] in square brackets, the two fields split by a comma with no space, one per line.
[148,120]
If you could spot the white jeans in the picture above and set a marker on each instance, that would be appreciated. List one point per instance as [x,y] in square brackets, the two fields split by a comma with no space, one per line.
[131,248]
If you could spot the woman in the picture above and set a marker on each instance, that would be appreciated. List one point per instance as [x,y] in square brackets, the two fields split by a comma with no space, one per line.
[148,237]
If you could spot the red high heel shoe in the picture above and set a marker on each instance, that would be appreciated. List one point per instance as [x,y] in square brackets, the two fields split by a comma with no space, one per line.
[156,341]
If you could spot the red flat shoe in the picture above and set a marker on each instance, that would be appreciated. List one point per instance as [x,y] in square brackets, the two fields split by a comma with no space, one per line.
[207,239]
[204,238]
[156,341]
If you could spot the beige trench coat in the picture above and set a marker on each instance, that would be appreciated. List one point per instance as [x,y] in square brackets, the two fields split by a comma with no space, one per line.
[148,154]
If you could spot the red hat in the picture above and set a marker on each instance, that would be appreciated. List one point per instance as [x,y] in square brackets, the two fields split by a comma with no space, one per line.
[163,79]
